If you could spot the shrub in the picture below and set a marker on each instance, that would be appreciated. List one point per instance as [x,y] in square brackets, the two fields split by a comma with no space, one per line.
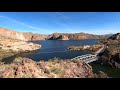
[103,58]
[101,74]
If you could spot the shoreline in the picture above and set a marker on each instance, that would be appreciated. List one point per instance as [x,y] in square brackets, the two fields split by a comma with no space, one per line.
[10,47]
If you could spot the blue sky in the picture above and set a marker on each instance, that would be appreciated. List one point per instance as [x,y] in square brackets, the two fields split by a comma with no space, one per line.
[63,22]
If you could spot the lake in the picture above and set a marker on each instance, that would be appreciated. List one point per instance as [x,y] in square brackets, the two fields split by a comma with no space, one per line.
[58,48]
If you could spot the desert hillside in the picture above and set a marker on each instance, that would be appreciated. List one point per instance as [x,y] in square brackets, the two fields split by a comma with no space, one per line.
[75,36]
[28,36]
[20,35]
[10,47]
[111,56]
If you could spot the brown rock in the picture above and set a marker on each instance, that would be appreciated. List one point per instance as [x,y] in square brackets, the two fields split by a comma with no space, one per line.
[111,55]
[75,36]
[63,37]
[21,36]
[27,68]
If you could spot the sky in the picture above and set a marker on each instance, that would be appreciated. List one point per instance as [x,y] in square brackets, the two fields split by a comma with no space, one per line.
[62,22]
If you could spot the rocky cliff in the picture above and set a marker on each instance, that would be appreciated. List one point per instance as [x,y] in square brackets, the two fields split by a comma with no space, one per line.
[21,36]
[75,36]
[27,68]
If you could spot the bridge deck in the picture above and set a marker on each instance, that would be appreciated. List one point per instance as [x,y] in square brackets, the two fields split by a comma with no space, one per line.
[88,58]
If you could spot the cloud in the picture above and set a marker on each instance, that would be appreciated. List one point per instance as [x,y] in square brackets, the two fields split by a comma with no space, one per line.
[66,17]
[21,23]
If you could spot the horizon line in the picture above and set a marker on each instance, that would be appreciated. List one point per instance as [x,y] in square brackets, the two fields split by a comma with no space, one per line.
[56,32]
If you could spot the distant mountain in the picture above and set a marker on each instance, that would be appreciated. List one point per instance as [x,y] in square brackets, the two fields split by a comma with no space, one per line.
[28,36]
[109,35]
[75,36]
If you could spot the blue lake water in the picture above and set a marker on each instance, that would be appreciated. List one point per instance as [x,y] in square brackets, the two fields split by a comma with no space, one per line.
[58,48]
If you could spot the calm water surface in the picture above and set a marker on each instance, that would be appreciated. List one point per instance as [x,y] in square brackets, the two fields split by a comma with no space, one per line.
[58,48]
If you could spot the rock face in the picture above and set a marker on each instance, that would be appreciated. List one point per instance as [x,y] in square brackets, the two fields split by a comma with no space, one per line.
[27,68]
[57,36]
[21,36]
[63,37]
[111,56]
[75,36]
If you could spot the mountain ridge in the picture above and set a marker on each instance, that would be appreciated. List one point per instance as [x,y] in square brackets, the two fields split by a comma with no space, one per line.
[29,36]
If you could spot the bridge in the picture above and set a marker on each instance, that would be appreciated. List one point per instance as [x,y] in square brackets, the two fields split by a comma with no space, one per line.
[88,58]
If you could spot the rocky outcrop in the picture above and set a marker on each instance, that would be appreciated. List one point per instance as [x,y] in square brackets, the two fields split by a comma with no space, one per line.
[111,56]
[86,47]
[21,36]
[57,36]
[63,37]
[33,37]
[76,36]
[27,68]
[9,47]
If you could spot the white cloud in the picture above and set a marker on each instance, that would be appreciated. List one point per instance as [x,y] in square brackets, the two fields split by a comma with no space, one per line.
[21,23]
[66,17]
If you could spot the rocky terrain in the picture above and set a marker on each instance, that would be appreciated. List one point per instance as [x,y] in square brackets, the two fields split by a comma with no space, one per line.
[111,55]
[28,36]
[75,36]
[27,68]
[86,47]
[10,47]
